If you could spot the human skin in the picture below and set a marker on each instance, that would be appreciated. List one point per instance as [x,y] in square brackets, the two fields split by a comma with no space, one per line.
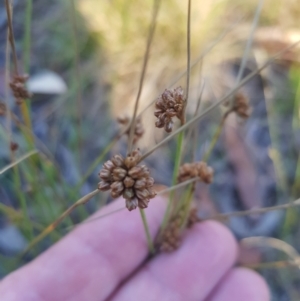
[106,259]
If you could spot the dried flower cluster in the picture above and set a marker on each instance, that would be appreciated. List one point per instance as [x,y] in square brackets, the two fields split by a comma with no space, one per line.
[168,105]
[18,88]
[170,239]
[122,176]
[196,169]
[138,130]
[240,105]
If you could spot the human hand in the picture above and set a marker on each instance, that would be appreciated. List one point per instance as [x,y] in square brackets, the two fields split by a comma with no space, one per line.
[105,260]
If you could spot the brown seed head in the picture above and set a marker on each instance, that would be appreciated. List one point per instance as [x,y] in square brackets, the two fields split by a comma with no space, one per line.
[197,169]
[168,105]
[170,239]
[19,89]
[123,176]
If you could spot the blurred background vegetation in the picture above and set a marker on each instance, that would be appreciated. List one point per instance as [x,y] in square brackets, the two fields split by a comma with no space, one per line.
[84,59]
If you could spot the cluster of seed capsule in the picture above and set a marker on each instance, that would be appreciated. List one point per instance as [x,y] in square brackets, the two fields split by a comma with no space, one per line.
[170,238]
[169,104]
[124,177]
[196,169]
[19,89]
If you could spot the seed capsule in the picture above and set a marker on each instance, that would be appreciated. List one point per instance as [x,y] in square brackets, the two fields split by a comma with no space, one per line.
[119,174]
[131,204]
[128,182]
[118,160]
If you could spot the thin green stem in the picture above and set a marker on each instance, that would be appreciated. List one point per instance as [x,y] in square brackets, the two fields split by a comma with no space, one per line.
[215,138]
[23,204]
[27,35]
[78,78]
[174,180]
[187,204]
[249,40]
[188,72]
[149,239]
[24,109]
[16,162]
[11,35]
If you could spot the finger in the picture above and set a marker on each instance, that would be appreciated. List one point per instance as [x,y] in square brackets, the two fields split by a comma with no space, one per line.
[241,284]
[190,273]
[90,262]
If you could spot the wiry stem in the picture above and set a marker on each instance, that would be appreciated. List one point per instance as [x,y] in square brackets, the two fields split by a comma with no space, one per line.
[255,211]
[149,239]
[271,265]
[11,35]
[188,72]
[27,36]
[216,136]
[24,109]
[78,78]
[182,184]
[9,166]
[249,40]
[174,180]
[192,132]
[7,76]
[156,6]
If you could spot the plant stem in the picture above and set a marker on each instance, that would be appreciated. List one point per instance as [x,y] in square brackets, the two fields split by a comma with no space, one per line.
[215,138]
[271,265]
[155,11]
[11,35]
[146,227]
[256,211]
[187,204]
[175,173]
[27,35]
[78,79]
[27,155]
[23,203]
[188,40]
[24,109]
